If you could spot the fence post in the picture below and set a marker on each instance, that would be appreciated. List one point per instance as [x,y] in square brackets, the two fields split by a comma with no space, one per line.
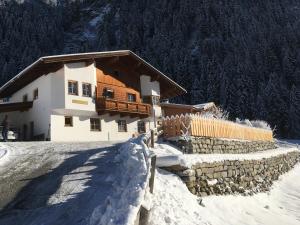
[152,173]
[152,138]
[144,213]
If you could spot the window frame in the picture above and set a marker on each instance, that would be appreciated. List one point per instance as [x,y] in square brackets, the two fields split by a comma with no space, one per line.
[155,99]
[74,82]
[108,90]
[133,95]
[71,120]
[91,124]
[90,89]
[35,97]
[144,127]
[119,122]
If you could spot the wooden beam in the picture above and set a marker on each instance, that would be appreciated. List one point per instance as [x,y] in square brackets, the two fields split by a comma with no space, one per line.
[89,62]
[155,78]
[113,113]
[17,106]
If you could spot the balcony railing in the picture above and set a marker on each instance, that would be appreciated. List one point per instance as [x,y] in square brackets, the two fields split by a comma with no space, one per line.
[126,108]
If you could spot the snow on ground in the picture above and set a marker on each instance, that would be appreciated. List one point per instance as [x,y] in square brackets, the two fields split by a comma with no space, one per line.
[3,152]
[90,29]
[49,183]
[174,204]
[168,155]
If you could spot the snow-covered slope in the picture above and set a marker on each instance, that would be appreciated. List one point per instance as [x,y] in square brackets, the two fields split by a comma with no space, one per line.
[174,204]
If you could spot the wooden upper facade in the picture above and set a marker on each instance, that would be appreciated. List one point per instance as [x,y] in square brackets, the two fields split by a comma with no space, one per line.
[119,90]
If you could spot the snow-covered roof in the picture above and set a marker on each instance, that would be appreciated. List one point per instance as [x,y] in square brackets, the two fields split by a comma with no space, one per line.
[47,64]
[203,106]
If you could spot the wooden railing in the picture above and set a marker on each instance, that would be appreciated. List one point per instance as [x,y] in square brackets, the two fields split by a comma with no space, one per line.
[192,125]
[106,104]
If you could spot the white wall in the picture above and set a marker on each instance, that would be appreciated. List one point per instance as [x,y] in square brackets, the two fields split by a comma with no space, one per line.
[58,89]
[151,88]
[40,111]
[82,74]
[148,87]
[81,129]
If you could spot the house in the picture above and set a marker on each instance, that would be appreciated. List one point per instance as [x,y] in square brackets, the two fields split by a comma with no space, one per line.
[170,109]
[86,97]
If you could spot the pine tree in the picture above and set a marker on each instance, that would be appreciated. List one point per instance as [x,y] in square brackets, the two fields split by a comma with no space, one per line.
[294,113]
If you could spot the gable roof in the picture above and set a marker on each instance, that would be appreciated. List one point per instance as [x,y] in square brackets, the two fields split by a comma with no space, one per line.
[48,64]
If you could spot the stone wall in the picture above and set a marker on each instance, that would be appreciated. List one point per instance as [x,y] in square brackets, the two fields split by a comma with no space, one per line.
[234,176]
[207,145]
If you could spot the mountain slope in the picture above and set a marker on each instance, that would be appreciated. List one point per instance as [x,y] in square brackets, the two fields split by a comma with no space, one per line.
[242,55]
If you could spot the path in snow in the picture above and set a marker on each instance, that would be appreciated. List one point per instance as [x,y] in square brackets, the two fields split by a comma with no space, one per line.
[55,183]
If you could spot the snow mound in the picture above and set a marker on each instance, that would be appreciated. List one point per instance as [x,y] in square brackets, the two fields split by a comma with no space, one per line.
[130,186]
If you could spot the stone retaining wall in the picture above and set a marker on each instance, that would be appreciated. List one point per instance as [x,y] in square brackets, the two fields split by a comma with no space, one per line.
[233,176]
[206,145]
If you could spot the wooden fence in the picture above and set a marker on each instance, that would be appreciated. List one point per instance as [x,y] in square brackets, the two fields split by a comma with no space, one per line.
[193,125]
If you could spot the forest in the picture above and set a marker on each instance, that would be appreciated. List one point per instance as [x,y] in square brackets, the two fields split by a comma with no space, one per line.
[243,55]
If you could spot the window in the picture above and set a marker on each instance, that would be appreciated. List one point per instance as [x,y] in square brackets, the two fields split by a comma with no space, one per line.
[35,94]
[95,124]
[72,87]
[68,121]
[86,90]
[141,127]
[122,126]
[146,99]
[151,99]
[131,97]
[108,93]
[25,98]
[155,100]
[5,99]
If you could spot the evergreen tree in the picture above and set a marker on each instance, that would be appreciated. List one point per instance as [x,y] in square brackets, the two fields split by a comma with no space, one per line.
[243,55]
[294,112]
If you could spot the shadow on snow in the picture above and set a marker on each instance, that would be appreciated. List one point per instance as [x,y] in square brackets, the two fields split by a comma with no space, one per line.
[30,206]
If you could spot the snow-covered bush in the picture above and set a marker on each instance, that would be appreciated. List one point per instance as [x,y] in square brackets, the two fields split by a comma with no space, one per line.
[254,123]
[261,124]
[218,114]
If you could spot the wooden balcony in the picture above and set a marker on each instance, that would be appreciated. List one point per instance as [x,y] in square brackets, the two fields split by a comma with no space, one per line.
[114,107]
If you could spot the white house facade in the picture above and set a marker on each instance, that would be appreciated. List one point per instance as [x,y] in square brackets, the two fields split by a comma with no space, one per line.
[104,96]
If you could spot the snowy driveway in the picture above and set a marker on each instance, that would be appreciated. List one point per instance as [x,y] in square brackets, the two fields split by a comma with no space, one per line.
[55,183]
